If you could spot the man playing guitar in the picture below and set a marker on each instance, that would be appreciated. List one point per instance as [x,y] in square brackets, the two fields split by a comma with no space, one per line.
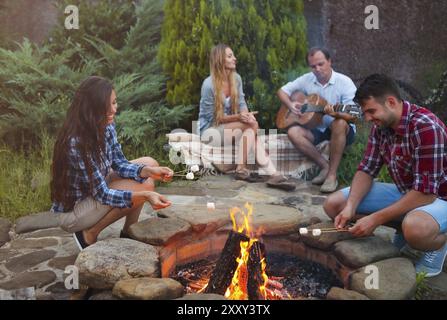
[335,88]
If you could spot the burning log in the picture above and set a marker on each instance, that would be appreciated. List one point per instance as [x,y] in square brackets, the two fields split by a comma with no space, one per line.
[254,266]
[227,264]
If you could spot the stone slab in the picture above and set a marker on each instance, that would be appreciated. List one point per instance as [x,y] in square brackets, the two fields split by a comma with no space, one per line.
[363,251]
[29,279]
[396,280]
[29,260]
[159,231]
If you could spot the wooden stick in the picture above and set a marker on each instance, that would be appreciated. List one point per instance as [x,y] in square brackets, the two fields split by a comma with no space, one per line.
[333,231]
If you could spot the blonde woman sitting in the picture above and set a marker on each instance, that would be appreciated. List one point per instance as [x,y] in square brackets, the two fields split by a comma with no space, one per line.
[224,119]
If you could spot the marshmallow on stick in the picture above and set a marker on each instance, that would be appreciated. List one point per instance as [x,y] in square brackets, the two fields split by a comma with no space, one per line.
[210,206]
[316,232]
[304,231]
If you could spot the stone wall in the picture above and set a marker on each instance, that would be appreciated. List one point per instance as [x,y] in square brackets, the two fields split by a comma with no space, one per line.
[410,43]
[27,18]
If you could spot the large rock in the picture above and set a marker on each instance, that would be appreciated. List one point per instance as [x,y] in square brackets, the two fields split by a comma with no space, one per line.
[148,289]
[396,280]
[42,220]
[29,260]
[5,226]
[342,294]
[199,217]
[159,231]
[326,240]
[363,251]
[271,220]
[29,279]
[106,262]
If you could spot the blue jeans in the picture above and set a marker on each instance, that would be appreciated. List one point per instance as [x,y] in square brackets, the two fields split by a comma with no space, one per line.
[383,195]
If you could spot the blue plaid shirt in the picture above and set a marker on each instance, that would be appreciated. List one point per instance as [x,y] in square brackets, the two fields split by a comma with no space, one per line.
[114,159]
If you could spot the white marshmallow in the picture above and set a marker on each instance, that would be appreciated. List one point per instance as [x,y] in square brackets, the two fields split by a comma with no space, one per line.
[190,176]
[316,232]
[195,168]
[210,206]
[303,231]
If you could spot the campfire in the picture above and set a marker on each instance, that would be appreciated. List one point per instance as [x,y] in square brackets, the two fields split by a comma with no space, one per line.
[240,272]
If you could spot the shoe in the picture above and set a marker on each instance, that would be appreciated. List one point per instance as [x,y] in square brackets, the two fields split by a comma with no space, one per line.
[329,187]
[399,240]
[281,182]
[124,235]
[80,241]
[432,262]
[243,175]
[318,180]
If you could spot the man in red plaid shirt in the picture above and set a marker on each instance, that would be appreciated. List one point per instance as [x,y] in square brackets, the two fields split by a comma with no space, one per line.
[410,141]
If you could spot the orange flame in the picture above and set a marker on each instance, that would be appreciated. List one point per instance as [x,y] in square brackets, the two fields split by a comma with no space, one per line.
[238,287]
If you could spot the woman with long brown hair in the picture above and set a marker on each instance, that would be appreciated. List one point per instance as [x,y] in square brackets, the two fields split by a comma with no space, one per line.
[224,116]
[93,184]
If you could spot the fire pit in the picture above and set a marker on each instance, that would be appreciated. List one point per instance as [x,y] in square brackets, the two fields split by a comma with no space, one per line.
[245,271]
[289,277]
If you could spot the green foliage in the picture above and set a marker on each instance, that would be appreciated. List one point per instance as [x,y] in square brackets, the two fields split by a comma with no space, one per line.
[37,83]
[268,38]
[24,186]
[35,86]
[437,100]
[109,20]
[422,289]
[354,154]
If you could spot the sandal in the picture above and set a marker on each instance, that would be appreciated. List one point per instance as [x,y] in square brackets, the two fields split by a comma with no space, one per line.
[281,182]
[243,175]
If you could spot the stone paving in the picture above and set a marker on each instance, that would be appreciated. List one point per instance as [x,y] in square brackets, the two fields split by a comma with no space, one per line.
[34,252]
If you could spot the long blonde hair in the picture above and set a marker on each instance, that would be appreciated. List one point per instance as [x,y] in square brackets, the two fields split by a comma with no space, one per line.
[219,76]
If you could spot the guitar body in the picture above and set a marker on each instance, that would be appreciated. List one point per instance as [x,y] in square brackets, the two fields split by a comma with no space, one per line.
[285,118]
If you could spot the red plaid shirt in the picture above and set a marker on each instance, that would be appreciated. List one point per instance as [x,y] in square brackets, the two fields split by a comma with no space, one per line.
[414,153]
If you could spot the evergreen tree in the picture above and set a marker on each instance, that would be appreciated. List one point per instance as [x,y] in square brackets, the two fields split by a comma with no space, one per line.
[268,38]
[37,83]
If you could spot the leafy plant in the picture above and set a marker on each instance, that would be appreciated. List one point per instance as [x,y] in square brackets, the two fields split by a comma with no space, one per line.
[268,38]
[422,288]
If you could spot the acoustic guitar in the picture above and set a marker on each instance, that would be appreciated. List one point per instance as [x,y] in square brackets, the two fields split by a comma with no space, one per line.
[312,111]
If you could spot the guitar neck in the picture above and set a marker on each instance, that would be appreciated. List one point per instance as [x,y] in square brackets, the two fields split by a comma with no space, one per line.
[337,108]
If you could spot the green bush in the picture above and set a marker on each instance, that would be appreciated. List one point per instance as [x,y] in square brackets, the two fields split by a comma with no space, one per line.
[354,154]
[35,90]
[268,38]
[109,20]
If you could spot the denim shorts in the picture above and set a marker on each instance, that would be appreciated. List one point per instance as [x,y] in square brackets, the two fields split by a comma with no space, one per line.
[383,195]
[326,135]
